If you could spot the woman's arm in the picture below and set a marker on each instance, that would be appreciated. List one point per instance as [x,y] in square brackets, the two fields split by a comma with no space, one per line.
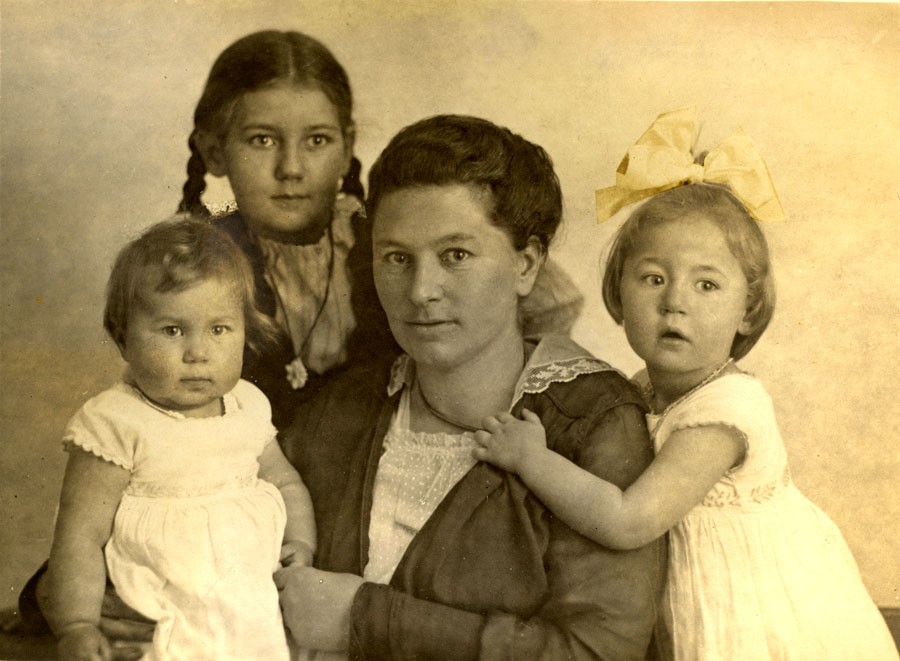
[690,462]
[300,532]
[92,489]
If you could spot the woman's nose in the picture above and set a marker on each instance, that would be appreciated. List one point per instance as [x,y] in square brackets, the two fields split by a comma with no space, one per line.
[291,163]
[427,282]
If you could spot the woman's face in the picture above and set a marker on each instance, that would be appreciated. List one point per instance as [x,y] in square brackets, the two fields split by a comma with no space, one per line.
[448,278]
[284,153]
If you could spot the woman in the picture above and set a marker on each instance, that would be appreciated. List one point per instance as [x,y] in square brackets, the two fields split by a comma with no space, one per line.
[424,553]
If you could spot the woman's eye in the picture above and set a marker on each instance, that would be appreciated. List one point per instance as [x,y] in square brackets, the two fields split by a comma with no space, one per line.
[653,279]
[455,255]
[262,140]
[219,330]
[397,258]
[172,331]
[318,140]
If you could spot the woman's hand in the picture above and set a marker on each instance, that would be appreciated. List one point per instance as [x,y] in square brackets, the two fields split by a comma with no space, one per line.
[510,443]
[316,606]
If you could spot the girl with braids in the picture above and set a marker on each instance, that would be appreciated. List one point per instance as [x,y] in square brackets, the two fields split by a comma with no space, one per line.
[275,118]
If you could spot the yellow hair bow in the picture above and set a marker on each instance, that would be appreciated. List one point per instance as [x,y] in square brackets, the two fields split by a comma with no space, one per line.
[661,159]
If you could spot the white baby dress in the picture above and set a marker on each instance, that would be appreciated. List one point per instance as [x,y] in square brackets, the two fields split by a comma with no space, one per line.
[197,536]
[757,571]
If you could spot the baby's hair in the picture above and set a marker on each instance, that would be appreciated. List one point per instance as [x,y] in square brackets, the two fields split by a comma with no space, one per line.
[251,63]
[173,255]
[453,149]
[742,234]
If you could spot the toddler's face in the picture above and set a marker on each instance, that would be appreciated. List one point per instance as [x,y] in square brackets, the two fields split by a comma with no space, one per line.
[684,297]
[284,154]
[185,348]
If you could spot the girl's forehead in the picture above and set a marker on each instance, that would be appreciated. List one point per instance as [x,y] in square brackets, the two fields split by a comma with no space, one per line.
[285,99]
[688,234]
[159,285]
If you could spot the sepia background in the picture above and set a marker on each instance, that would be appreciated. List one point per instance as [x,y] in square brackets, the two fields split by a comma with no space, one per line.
[96,99]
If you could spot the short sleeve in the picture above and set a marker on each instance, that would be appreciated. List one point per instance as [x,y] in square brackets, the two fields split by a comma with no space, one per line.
[107,426]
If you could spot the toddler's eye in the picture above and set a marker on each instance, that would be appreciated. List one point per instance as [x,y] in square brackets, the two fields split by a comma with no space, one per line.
[455,255]
[172,331]
[653,279]
[707,285]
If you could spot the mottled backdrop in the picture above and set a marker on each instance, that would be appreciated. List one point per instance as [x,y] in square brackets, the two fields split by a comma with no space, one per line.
[96,104]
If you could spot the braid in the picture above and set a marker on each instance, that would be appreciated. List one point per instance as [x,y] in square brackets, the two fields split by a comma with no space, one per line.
[195,185]
[352,183]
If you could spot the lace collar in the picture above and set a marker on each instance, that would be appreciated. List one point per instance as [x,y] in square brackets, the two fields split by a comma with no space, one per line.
[555,359]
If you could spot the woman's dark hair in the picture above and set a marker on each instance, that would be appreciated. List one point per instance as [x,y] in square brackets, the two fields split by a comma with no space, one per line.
[251,63]
[173,255]
[454,149]
[742,234]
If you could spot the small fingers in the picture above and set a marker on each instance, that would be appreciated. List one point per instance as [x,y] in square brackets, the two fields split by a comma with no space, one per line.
[530,416]
[490,424]
[482,437]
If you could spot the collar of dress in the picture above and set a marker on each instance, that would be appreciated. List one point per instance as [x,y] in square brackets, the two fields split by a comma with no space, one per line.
[555,359]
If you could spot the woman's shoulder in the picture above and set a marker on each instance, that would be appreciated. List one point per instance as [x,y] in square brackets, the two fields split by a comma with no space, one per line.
[579,383]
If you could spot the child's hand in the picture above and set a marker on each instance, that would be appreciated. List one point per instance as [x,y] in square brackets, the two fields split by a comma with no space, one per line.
[84,642]
[295,552]
[508,442]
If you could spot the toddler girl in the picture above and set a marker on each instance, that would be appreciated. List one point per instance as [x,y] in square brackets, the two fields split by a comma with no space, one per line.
[275,118]
[175,483]
[756,571]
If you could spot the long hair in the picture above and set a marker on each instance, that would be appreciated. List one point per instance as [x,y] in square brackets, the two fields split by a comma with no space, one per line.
[253,62]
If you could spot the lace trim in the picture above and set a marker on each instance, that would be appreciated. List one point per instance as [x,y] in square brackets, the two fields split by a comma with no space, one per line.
[540,377]
[97,452]
[726,494]
[217,209]
[537,378]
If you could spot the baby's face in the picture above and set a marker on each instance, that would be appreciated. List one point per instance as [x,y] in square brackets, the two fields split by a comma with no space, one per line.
[185,348]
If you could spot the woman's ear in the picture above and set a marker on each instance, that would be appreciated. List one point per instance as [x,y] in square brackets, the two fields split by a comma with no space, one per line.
[210,148]
[530,260]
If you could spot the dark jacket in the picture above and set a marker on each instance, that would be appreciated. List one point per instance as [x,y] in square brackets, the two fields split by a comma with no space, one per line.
[492,574]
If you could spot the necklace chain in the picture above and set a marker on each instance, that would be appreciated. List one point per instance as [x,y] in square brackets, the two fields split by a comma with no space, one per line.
[440,416]
[298,351]
[709,377]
